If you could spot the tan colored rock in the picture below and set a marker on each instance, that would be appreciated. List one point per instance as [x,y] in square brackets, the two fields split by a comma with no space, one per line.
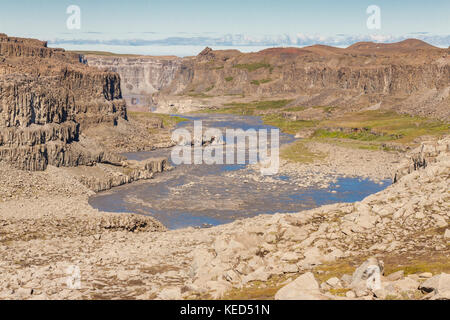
[425,275]
[170,294]
[439,284]
[396,275]
[364,271]
[447,234]
[334,282]
[406,284]
[304,287]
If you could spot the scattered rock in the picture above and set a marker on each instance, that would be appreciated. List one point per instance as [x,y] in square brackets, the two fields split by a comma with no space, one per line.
[334,282]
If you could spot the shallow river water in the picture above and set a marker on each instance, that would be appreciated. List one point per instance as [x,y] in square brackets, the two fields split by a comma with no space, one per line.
[208,195]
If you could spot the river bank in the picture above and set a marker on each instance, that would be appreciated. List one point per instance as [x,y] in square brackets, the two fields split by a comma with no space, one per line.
[207,195]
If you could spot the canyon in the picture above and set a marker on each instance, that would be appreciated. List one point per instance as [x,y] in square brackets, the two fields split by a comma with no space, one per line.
[70,123]
[409,77]
[141,75]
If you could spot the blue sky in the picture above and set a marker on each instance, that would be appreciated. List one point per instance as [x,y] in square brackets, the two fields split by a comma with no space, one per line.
[185,26]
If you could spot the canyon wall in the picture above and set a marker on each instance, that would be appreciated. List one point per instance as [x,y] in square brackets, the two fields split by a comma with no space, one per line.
[47,99]
[410,76]
[141,76]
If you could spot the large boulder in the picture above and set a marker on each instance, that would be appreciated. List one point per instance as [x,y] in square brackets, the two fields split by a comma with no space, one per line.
[304,287]
[439,284]
[365,278]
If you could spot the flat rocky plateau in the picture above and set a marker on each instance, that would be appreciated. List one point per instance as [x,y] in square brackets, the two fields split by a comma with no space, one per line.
[48,230]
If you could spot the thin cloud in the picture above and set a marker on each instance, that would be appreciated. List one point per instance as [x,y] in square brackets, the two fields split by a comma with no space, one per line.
[242,40]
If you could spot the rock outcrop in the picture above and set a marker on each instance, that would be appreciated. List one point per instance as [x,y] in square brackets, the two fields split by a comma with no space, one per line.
[104,177]
[427,153]
[47,99]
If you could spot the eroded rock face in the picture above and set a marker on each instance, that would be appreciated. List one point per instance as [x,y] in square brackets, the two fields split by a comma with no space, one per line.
[47,99]
[104,177]
[141,76]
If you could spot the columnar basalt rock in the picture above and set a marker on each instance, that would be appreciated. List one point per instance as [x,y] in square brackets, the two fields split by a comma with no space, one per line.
[47,99]
[104,177]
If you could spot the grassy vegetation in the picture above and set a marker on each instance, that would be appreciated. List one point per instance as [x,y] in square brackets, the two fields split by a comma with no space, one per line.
[336,269]
[295,109]
[167,120]
[199,95]
[258,290]
[253,66]
[369,130]
[252,108]
[339,292]
[354,144]
[298,152]
[388,126]
[228,79]
[435,265]
[258,82]
[286,125]
[360,135]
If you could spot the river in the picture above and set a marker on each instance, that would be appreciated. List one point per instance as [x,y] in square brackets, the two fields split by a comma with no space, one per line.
[208,195]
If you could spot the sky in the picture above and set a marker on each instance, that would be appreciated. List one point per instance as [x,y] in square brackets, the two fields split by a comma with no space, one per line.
[185,27]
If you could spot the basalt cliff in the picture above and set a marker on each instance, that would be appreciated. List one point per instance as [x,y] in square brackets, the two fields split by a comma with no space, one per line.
[141,76]
[47,99]
[57,111]
[409,77]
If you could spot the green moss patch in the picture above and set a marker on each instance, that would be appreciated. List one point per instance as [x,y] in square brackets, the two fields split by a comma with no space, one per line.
[252,66]
[258,82]
[168,120]
[299,152]
[251,108]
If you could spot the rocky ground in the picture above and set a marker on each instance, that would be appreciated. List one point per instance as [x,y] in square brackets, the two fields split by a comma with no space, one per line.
[339,161]
[55,246]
